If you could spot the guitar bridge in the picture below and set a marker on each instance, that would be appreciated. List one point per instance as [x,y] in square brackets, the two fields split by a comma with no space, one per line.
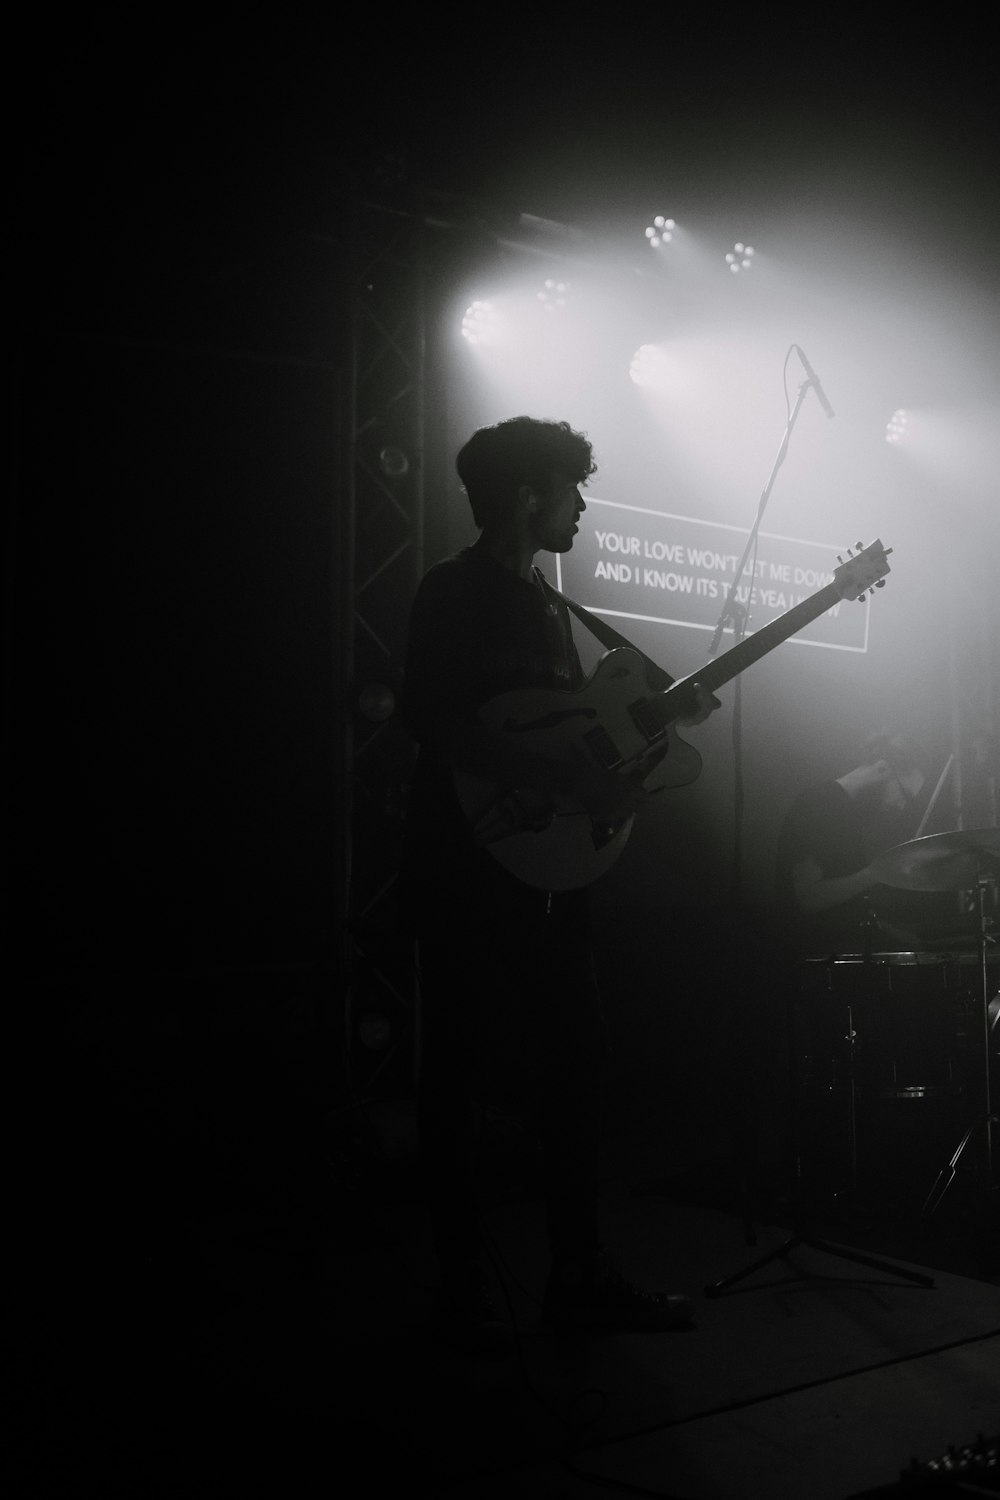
[603,748]
[645,719]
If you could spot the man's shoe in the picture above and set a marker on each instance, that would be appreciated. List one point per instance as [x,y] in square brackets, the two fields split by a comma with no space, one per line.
[467,1319]
[595,1297]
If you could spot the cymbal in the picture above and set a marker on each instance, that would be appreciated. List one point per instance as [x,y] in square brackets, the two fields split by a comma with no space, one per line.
[942,861]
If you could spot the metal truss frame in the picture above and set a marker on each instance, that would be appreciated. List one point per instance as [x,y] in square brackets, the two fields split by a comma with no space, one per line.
[380,563]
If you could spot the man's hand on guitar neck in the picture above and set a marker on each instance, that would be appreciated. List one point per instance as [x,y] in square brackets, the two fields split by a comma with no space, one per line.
[706,702]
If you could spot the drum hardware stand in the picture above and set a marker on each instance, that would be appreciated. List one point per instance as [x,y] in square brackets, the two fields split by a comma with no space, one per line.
[987,1119]
[852,1105]
[798,1239]
[869,926]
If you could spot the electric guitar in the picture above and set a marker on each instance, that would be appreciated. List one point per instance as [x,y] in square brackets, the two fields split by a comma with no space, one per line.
[617,723]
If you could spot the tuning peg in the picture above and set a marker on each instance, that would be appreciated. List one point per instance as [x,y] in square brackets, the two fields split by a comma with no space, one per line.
[880,584]
[860,546]
[839,558]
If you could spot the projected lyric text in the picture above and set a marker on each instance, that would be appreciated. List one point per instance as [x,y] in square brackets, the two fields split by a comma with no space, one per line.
[675,570]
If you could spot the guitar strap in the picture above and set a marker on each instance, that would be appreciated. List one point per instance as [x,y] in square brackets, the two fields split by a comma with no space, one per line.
[658,678]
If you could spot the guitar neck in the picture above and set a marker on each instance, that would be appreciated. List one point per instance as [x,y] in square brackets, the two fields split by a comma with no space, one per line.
[731,663]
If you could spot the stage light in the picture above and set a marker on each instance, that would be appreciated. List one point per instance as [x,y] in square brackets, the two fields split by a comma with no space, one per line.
[377,702]
[553,294]
[647,366]
[375,1031]
[661,231]
[394,463]
[740,257]
[895,429]
[479,323]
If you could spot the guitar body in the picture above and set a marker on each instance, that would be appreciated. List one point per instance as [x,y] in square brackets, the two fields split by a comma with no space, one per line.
[552,844]
[616,722]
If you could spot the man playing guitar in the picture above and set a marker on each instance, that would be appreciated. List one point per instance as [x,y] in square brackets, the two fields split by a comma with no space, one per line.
[510,1013]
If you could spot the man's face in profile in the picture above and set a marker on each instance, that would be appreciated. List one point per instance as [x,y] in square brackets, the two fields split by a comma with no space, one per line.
[558,509]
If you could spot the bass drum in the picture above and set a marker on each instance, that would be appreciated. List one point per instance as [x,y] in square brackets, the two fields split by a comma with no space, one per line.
[894,1023]
[888,1056]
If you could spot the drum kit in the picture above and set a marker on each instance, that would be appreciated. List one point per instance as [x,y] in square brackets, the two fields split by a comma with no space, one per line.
[923,1025]
[962,861]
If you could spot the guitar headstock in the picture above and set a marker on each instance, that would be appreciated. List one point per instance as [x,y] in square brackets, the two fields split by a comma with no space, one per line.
[863,572]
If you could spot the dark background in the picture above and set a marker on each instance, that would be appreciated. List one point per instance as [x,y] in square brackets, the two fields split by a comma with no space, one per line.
[176,679]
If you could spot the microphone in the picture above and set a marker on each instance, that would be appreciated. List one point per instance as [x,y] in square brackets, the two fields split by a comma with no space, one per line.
[814,382]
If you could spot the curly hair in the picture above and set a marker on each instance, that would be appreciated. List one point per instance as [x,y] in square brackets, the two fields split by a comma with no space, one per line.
[497,460]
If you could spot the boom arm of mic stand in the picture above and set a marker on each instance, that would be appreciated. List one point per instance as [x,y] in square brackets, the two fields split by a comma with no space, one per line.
[727,608]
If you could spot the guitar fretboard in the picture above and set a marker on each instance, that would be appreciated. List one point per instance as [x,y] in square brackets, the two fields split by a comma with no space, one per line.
[736,660]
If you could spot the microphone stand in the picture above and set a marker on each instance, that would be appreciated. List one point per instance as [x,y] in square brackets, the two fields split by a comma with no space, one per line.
[729,610]
[740,615]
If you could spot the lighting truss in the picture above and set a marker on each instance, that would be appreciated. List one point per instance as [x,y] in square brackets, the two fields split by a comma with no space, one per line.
[381,559]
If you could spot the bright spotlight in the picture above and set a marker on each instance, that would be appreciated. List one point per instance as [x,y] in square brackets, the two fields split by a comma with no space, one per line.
[647,365]
[895,428]
[740,258]
[661,231]
[553,294]
[479,323]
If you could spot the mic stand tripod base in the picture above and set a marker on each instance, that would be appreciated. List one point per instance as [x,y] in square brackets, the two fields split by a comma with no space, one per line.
[800,1241]
[797,1239]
